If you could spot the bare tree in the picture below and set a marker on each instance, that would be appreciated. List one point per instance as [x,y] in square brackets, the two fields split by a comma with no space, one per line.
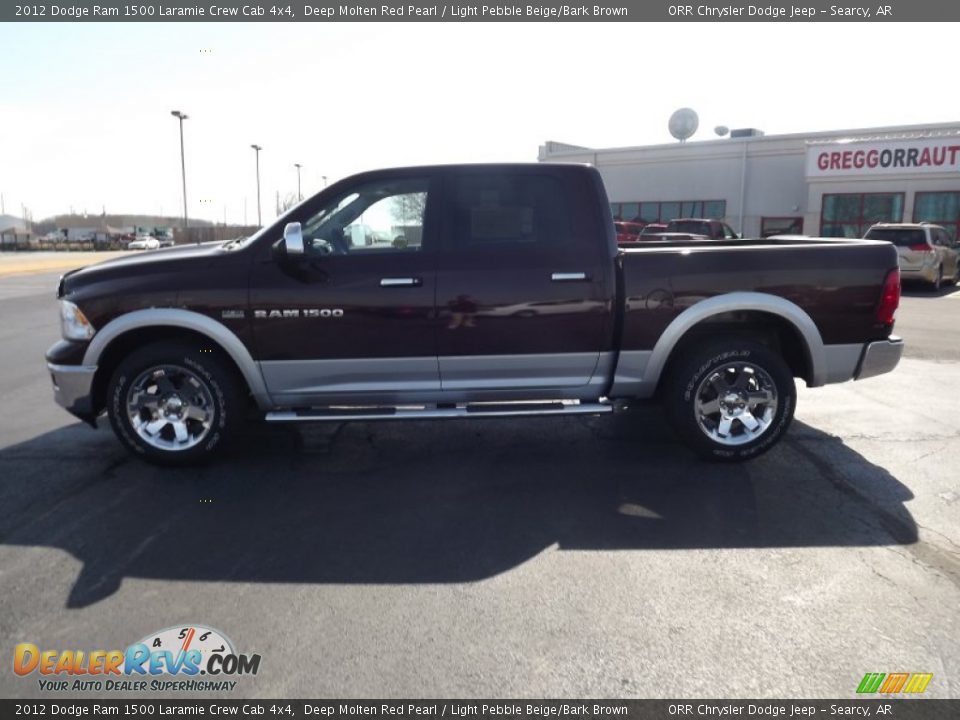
[408,208]
[287,202]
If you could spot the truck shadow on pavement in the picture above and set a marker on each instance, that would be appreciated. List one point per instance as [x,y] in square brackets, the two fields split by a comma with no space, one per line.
[429,502]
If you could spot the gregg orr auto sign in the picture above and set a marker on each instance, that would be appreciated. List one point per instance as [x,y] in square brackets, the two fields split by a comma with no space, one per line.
[934,155]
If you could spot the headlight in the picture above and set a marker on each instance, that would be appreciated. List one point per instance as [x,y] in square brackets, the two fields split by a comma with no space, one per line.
[73,323]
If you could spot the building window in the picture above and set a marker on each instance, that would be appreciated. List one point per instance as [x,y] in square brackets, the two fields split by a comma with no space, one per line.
[650,212]
[780,226]
[663,212]
[850,215]
[939,208]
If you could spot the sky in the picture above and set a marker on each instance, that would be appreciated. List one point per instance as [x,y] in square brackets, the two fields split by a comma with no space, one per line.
[85,119]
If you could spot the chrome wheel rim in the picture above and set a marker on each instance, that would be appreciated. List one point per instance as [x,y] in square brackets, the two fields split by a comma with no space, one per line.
[736,403]
[170,408]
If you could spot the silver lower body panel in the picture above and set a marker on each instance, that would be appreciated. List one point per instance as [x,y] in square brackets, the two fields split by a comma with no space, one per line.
[72,385]
[880,357]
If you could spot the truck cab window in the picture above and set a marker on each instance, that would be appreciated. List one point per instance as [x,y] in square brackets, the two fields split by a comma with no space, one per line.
[381,217]
[495,209]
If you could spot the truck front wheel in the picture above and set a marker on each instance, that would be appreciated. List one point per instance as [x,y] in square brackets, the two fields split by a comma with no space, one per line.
[731,400]
[173,404]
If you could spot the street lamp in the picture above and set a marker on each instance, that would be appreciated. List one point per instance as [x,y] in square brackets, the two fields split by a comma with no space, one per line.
[298,166]
[257,150]
[183,167]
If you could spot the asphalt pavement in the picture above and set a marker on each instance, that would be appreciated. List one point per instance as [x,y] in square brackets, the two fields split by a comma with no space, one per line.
[590,557]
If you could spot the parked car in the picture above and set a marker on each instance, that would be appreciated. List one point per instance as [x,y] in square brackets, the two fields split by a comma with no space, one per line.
[179,347]
[143,242]
[652,229]
[627,231]
[671,236]
[926,252]
[713,229]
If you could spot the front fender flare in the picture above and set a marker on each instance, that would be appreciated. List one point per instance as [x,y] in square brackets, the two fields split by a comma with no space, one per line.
[189,320]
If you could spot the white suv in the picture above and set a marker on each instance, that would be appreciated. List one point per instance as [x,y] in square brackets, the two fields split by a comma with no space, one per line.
[926,251]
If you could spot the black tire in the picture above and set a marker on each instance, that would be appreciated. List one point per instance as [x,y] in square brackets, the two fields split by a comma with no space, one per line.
[199,383]
[691,385]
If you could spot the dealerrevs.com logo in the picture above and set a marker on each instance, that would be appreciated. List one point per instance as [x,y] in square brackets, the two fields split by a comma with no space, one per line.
[181,658]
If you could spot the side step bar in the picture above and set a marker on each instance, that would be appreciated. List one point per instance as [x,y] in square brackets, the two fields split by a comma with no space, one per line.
[408,412]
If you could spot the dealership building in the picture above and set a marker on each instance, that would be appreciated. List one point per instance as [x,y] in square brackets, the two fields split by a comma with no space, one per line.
[832,184]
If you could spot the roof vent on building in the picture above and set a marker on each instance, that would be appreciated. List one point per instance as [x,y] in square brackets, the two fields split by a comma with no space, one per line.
[746,132]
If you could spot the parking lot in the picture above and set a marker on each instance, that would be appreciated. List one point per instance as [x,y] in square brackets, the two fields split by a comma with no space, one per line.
[591,557]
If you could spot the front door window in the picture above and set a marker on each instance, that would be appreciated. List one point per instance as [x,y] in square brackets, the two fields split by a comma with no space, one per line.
[386,216]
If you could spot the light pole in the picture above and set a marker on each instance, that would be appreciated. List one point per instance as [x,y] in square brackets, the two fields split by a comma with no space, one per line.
[298,166]
[183,168]
[257,150]
[324,180]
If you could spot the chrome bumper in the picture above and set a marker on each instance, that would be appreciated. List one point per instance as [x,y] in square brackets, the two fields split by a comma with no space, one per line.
[71,389]
[880,357]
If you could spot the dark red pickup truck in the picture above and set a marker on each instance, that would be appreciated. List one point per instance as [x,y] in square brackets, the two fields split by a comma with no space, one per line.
[477,291]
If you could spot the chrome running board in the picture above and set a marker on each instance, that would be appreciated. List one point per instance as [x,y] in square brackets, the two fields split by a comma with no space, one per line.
[432,412]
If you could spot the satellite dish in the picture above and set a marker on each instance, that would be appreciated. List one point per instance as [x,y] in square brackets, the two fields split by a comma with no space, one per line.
[683,123]
[721,130]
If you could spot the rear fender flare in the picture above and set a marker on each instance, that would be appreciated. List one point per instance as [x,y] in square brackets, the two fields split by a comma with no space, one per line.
[731,302]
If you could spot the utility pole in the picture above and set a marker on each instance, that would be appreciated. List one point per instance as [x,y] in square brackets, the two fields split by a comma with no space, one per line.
[257,150]
[183,170]
[299,195]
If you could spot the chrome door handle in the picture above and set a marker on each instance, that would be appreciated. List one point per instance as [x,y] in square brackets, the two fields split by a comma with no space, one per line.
[568,276]
[401,282]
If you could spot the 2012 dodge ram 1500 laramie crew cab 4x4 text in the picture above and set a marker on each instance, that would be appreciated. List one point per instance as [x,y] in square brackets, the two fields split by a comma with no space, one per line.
[467,291]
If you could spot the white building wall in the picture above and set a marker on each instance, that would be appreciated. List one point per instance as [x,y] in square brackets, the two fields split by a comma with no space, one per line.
[775,183]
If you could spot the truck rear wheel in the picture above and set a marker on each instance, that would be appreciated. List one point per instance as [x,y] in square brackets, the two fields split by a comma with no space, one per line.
[173,404]
[731,400]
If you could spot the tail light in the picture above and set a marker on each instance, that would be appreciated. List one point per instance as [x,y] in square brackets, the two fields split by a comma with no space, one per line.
[889,298]
[921,247]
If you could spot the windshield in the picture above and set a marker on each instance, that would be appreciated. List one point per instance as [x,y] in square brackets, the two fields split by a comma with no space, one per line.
[898,236]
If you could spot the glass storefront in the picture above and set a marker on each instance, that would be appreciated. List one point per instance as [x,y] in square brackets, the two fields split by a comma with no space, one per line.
[939,208]
[850,215]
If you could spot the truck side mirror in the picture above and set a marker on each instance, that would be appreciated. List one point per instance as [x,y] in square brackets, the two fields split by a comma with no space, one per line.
[293,240]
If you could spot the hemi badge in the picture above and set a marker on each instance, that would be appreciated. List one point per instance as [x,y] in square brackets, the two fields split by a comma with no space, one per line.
[232,314]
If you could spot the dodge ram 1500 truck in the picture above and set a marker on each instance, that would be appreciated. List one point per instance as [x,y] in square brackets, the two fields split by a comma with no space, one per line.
[493,290]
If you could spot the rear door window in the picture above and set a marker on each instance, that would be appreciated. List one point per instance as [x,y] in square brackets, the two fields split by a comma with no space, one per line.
[500,210]
[901,237]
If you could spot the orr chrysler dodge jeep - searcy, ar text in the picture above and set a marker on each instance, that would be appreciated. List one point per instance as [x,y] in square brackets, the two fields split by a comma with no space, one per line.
[475,291]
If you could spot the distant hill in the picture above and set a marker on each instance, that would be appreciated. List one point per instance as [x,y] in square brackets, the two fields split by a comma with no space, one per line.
[118,221]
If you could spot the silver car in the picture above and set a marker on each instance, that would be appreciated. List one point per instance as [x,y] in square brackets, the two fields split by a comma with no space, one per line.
[926,251]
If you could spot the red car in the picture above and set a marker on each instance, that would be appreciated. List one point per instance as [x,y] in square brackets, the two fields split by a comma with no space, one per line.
[627,231]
